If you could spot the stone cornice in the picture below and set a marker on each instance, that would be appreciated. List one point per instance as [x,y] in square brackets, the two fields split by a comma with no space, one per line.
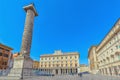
[115,29]
[64,54]
[4,46]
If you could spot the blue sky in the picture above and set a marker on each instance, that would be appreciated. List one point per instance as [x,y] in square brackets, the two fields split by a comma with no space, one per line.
[67,25]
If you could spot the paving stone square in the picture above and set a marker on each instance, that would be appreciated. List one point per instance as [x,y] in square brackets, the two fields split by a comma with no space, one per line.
[74,77]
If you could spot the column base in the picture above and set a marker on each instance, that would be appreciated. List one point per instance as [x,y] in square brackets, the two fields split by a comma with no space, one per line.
[22,67]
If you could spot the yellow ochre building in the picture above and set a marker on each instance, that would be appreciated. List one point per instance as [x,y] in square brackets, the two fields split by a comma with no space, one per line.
[35,64]
[60,63]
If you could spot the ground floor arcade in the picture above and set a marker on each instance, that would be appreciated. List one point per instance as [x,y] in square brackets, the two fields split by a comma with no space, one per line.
[58,71]
[111,69]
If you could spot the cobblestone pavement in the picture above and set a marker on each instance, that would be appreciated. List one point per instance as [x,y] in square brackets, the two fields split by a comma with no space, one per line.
[74,77]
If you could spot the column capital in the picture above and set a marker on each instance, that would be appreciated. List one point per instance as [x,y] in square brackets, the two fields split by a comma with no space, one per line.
[31,6]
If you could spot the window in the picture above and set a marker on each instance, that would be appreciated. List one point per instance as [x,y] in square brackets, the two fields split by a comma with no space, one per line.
[53,58]
[57,65]
[116,46]
[107,52]
[7,51]
[1,49]
[4,63]
[0,54]
[75,57]
[110,42]
[111,50]
[66,57]
[66,64]
[5,55]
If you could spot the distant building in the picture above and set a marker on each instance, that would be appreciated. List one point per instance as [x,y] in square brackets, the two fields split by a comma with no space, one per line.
[92,58]
[36,64]
[60,63]
[5,56]
[108,52]
[16,54]
[84,68]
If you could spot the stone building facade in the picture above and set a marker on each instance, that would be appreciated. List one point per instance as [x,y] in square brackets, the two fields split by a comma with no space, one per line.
[60,63]
[108,52]
[92,58]
[84,68]
[5,56]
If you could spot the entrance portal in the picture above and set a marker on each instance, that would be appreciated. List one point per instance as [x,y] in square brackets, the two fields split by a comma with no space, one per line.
[56,71]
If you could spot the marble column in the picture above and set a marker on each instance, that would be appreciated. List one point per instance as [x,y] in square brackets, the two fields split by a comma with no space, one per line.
[23,63]
[28,30]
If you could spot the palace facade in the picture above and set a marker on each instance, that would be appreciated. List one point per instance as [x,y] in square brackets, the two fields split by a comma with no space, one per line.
[60,63]
[108,52]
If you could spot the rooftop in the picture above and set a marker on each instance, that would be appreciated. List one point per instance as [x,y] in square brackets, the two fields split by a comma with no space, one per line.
[4,46]
[59,52]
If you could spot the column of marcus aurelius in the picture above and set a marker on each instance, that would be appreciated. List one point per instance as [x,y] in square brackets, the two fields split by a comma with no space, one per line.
[28,30]
[23,63]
